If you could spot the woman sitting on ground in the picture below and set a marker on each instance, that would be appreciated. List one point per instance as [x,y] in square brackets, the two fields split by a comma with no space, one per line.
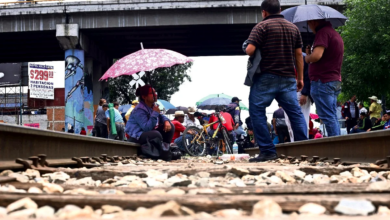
[146,122]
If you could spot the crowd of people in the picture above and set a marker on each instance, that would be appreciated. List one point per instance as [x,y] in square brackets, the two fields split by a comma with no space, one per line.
[285,73]
[144,123]
[359,120]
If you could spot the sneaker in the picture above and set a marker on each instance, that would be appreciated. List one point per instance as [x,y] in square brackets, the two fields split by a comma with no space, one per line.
[263,158]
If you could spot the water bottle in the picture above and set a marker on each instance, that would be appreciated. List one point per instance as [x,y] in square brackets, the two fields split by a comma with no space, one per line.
[222,119]
[235,148]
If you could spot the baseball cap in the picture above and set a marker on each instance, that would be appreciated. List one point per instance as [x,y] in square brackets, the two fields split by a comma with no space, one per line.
[235,99]
[134,102]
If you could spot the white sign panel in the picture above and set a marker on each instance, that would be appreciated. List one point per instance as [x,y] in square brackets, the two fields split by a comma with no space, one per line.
[44,77]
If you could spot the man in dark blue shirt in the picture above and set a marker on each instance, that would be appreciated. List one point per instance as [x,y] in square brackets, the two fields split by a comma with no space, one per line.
[234,110]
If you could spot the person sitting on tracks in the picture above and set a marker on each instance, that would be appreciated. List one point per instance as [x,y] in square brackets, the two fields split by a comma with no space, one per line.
[280,125]
[318,134]
[387,118]
[119,124]
[179,128]
[249,141]
[83,131]
[235,111]
[364,124]
[128,113]
[191,120]
[146,122]
[229,122]
[379,125]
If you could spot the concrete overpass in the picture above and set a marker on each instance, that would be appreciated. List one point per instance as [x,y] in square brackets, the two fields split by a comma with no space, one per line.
[97,32]
[192,27]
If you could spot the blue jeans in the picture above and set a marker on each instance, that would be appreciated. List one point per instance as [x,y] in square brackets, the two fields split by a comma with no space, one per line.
[179,142]
[357,130]
[240,131]
[264,90]
[325,97]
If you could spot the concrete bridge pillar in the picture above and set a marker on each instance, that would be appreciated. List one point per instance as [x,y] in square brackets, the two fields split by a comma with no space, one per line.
[68,36]
[74,89]
[84,66]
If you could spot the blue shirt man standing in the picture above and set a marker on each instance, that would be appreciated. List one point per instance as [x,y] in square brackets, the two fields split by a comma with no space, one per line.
[119,124]
[280,44]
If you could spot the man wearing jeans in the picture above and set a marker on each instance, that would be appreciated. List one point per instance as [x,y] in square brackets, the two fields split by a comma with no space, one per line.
[119,124]
[280,44]
[325,59]
[351,113]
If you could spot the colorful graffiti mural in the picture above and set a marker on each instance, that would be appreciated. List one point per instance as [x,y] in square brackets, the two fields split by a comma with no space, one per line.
[74,90]
[88,99]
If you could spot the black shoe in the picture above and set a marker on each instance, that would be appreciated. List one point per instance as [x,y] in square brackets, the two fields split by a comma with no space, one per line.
[263,158]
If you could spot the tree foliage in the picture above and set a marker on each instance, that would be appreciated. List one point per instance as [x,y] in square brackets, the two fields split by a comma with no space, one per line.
[165,81]
[366,38]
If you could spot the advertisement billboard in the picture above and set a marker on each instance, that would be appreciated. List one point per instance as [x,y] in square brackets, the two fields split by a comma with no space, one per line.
[10,74]
[44,77]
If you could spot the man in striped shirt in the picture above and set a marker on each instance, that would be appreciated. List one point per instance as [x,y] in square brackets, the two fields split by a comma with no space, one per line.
[280,45]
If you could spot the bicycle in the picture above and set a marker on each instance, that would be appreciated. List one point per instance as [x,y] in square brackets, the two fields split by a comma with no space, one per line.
[196,140]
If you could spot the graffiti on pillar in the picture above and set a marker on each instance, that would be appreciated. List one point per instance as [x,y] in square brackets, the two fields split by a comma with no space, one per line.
[74,90]
[88,98]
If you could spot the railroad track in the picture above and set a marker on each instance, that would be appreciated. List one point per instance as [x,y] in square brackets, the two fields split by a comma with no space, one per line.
[231,190]
[59,148]
[194,188]
[362,147]
[25,143]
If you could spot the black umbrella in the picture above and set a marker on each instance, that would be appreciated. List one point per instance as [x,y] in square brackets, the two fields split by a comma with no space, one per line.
[178,108]
[212,103]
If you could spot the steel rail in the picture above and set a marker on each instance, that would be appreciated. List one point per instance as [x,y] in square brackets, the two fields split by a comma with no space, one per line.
[60,148]
[362,147]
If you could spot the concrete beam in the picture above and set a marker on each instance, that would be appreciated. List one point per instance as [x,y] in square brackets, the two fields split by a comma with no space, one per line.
[67,35]
[135,5]
[137,13]
[143,18]
[69,38]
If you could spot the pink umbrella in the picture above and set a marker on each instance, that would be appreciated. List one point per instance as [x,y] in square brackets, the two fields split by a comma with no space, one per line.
[314,116]
[145,60]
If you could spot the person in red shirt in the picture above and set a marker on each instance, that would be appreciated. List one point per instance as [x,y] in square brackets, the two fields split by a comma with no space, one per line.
[177,122]
[229,122]
[312,132]
[83,132]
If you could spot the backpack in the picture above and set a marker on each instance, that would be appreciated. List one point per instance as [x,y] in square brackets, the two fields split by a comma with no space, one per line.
[176,153]
[165,152]
[151,148]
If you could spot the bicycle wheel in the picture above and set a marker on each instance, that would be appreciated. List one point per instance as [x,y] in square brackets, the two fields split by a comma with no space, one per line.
[214,148]
[226,139]
[194,141]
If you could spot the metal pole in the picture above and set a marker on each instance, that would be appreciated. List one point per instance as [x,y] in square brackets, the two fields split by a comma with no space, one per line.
[20,101]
